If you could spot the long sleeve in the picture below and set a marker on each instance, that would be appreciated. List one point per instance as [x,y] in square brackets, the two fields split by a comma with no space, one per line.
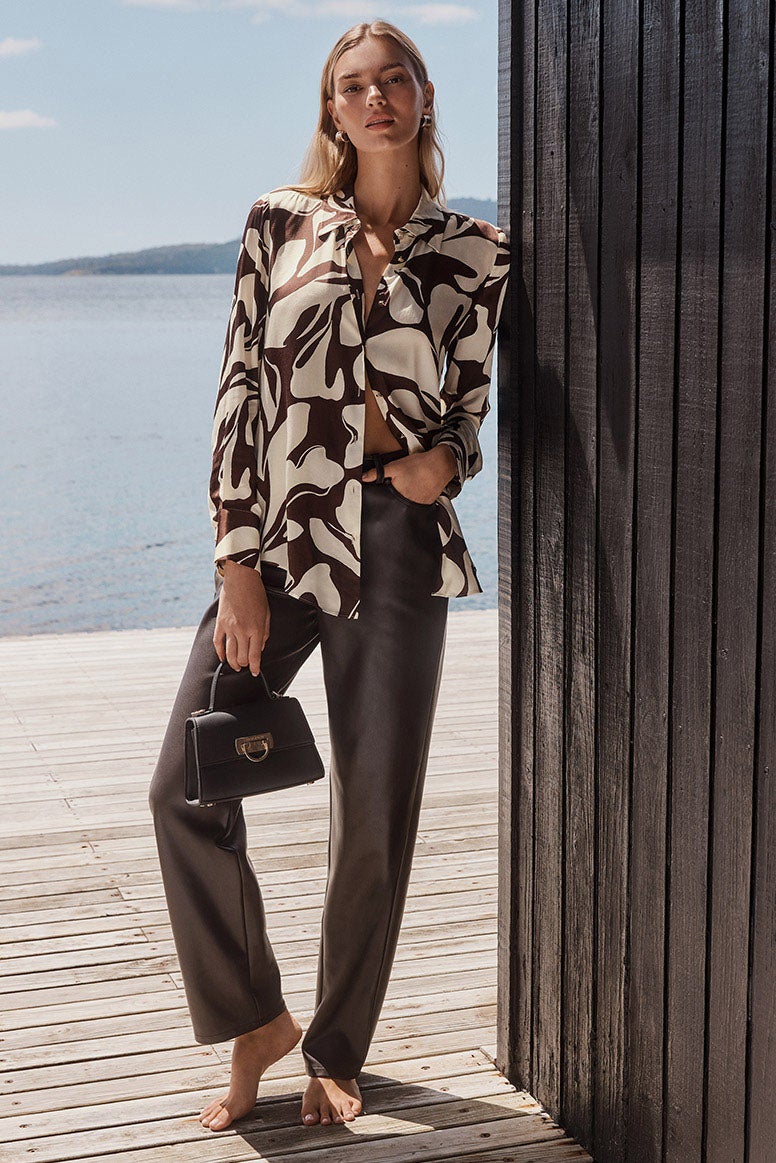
[466,383]
[236,509]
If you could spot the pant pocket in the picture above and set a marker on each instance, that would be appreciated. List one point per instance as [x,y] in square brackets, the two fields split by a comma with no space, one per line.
[422,505]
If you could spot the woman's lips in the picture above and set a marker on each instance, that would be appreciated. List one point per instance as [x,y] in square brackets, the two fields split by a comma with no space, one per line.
[380,124]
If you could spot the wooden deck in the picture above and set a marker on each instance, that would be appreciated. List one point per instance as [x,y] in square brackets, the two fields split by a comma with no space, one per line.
[97,1053]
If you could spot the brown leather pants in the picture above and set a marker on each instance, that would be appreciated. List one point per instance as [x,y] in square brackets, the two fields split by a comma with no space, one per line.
[381,674]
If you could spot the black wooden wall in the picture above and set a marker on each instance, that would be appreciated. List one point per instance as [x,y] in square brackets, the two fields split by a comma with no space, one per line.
[637,553]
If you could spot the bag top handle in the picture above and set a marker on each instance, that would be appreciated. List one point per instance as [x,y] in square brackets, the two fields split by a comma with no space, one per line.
[226,669]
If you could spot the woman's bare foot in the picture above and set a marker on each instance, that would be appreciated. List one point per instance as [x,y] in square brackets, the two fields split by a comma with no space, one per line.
[252,1054]
[329,1100]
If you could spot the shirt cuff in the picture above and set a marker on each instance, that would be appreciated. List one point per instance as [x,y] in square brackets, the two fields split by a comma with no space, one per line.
[451,438]
[237,539]
[250,557]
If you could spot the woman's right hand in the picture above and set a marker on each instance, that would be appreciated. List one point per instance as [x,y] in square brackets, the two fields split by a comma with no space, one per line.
[242,623]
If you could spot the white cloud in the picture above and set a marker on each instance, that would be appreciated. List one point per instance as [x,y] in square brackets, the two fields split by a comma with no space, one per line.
[14,46]
[356,10]
[261,10]
[23,119]
[353,10]
[441,13]
[171,5]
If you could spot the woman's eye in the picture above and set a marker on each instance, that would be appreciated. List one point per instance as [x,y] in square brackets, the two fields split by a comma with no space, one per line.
[350,88]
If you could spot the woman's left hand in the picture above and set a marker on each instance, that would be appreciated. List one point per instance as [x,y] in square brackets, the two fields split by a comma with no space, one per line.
[420,476]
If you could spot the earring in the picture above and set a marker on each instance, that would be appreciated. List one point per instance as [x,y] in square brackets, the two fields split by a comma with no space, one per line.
[425,120]
[341,137]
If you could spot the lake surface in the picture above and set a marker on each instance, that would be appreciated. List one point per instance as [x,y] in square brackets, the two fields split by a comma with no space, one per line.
[108,387]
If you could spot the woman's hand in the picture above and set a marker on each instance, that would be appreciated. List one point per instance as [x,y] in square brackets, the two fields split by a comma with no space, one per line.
[420,476]
[242,623]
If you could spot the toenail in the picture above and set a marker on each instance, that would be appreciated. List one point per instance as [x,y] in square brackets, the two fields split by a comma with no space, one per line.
[308,1118]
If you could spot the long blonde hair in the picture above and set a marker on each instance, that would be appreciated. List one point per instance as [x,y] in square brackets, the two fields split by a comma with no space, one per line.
[328,165]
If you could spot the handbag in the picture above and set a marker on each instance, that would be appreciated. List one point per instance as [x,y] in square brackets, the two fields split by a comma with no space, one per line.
[260,744]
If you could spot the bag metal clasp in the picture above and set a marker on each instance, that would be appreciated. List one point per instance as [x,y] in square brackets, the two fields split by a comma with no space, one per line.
[249,745]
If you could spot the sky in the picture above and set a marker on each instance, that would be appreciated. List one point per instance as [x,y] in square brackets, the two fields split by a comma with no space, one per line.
[127,124]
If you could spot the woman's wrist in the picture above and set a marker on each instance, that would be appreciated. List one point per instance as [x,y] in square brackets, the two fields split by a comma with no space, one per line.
[444,456]
[237,569]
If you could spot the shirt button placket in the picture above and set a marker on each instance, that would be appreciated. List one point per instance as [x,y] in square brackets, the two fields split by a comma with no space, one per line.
[398,242]
[356,284]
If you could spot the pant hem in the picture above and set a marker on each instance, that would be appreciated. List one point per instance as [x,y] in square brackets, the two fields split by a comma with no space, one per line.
[235,1032]
[323,1072]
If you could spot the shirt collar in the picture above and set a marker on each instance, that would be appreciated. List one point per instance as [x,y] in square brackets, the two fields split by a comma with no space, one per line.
[427,217]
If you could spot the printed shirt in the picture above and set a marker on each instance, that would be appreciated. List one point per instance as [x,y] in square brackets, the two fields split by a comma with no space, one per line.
[288,427]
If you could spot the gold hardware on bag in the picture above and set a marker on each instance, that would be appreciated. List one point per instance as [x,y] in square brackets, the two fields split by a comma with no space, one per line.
[246,744]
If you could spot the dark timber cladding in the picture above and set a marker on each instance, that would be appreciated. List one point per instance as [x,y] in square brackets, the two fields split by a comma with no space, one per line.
[637,526]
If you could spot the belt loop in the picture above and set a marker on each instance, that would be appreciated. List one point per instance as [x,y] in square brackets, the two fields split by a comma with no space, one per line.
[379,467]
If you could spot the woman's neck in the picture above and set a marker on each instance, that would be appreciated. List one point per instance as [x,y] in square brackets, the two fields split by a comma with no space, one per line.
[386,194]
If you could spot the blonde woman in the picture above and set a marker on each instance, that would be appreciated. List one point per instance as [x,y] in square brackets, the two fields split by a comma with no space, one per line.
[355,377]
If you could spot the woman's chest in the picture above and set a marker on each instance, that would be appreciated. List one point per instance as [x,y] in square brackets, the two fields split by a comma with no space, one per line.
[346,290]
[373,252]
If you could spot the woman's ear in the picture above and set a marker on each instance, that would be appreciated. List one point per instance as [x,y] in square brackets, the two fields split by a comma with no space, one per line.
[428,97]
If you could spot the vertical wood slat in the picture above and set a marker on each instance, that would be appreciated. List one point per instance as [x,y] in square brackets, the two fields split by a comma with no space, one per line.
[658,229]
[735,654]
[691,594]
[549,322]
[511,1013]
[616,411]
[637,484]
[581,190]
[515,1019]
[761,1057]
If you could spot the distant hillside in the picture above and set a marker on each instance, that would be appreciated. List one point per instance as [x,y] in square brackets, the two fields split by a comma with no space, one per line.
[190,258]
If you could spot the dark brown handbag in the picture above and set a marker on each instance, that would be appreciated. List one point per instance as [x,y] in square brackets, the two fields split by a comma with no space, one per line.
[261,744]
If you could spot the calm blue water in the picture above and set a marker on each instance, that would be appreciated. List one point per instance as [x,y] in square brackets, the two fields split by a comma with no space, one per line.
[108,387]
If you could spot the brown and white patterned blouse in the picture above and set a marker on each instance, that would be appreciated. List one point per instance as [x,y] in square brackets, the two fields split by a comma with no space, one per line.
[288,428]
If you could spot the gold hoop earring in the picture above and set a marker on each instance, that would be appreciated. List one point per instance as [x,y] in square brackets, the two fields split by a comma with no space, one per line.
[425,120]
[341,137]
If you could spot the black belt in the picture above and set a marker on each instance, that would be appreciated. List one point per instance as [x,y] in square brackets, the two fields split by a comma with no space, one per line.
[378,459]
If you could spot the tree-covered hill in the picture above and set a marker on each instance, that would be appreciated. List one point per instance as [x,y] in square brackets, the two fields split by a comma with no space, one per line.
[189,258]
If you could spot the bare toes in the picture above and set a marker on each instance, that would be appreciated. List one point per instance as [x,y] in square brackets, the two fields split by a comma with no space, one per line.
[220,1119]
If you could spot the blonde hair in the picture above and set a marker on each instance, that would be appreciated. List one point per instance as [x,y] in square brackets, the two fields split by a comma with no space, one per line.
[328,165]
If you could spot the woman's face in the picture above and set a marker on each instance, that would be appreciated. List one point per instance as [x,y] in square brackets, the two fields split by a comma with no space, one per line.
[377,101]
